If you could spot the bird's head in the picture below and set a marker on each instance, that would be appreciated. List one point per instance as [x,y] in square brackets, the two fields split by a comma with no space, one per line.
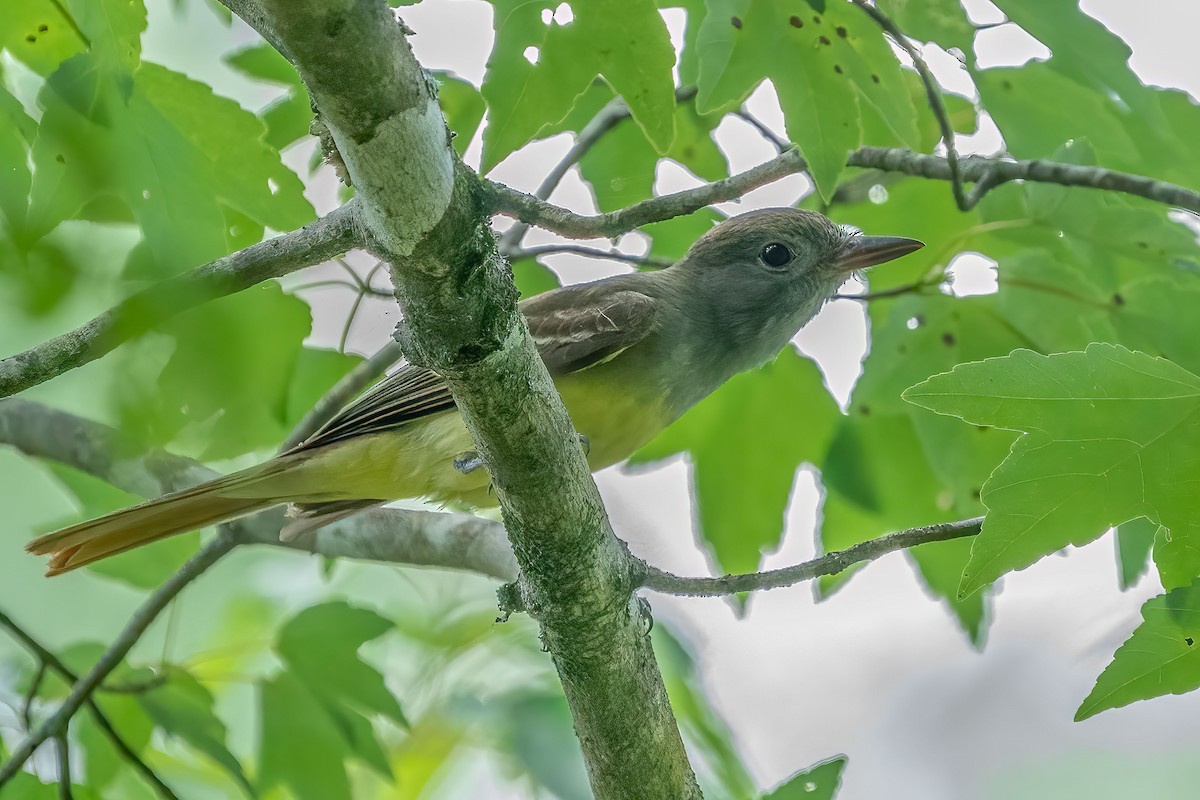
[762,275]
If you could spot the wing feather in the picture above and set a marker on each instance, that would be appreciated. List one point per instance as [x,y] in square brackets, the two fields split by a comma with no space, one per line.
[574,328]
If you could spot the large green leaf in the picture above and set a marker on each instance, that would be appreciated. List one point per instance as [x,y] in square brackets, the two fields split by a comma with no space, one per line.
[941,21]
[818,782]
[38,34]
[314,713]
[183,708]
[746,441]
[625,42]
[821,65]
[1161,657]
[1110,435]
[320,645]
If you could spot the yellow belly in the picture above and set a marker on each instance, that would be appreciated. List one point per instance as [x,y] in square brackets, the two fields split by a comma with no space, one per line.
[417,460]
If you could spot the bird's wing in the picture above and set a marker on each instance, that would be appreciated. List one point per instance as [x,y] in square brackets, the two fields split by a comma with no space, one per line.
[579,327]
[574,328]
[408,394]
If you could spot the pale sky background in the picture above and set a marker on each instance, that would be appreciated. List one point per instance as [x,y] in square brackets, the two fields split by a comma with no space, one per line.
[880,671]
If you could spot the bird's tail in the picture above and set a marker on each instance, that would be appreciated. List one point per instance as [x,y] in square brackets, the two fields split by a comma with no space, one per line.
[220,500]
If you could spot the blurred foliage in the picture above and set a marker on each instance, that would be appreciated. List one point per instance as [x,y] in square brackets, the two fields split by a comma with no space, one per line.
[116,171]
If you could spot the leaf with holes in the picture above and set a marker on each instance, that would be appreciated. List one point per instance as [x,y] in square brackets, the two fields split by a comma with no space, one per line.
[1110,435]
[1161,657]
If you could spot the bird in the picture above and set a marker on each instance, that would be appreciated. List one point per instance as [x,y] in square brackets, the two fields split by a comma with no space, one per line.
[629,354]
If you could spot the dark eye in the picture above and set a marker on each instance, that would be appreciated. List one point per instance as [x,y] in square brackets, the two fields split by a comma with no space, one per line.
[775,255]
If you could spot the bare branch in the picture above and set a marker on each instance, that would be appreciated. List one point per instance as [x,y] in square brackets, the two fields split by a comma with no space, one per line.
[83,688]
[764,130]
[606,119]
[829,564]
[329,236]
[528,208]
[591,252]
[934,95]
[986,172]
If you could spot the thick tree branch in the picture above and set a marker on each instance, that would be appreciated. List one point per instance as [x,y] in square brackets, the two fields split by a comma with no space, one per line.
[829,564]
[327,237]
[425,214]
[986,173]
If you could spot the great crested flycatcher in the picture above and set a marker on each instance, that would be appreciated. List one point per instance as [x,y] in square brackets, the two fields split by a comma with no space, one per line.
[629,354]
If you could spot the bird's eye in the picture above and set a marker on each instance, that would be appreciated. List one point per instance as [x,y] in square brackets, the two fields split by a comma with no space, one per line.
[775,255]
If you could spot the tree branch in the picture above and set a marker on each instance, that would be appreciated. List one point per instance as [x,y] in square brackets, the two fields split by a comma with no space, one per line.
[426,215]
[83,688]
[934,96]
[590,252]
[47,659]
[329,236]
[987,173]
[829,564]
[615,111]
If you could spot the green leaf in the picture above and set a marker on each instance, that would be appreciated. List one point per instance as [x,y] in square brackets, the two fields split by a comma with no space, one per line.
[233,370]
[625,42]
[37,34]
[314,373]
[1110,436]
[818,782]
[463,106]
[941,21]
[820,65]
[1135,539]
[17,132]
[621,166]
[313,714]
[320,646]
[533,277]
[172,151]
[539,733]
[703,729]
[1161,657]
[672,238]
[746,441]
[183,707]
[300,746]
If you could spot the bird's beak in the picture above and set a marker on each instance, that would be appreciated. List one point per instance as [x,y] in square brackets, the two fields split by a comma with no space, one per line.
[861,252]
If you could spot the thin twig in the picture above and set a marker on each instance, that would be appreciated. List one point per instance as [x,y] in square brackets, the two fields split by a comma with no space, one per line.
[329,236]
[606,119]
[83,688]
[764,130]
[353,382]
[591,252]
[829,564]
[47,659]
[933,94]
[64,766]
[992,171]
[895,291]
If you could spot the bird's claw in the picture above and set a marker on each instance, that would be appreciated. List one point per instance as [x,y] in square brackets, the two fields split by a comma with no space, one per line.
[585,443]
[467,462]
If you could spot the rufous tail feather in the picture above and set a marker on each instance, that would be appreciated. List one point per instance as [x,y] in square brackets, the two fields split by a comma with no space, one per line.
[219,500]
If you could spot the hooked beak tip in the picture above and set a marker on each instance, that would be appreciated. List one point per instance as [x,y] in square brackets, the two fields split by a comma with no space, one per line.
[868,251]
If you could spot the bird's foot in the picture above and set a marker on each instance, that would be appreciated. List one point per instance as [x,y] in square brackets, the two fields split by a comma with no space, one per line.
[585,443]
[467,462]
